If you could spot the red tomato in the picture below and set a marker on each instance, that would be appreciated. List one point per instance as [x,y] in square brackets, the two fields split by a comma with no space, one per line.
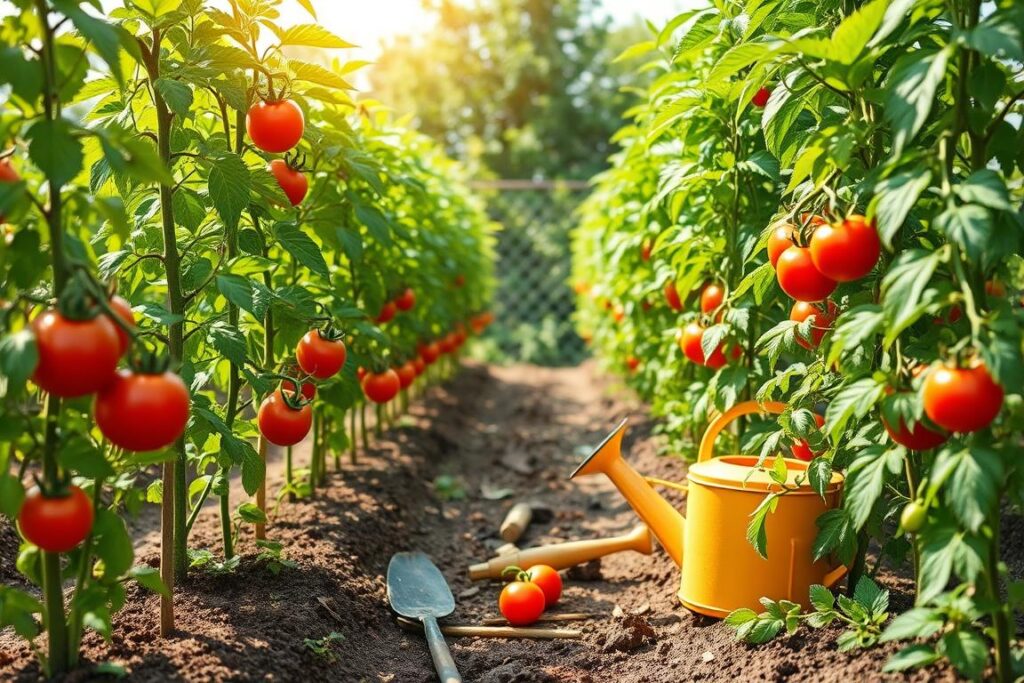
[645,250]
[319,357]
[387,313]
[672,296]
[802,310]
[801,449]
[618,315]
[420,365]
[406,300]
[846,251]
[308,389]
[549,581]
[360,373]
[521,603]
[56,524]
[920,438]
[125,313]
[779,241]
[632,362]
[76,357]
[406,374]
[961,399]
[382,387]
[274,127]
[292,181]
[7,172]
[143,412]
[995,288]
[760,98]
[799,278]
[430,352]
[448,343]
[690,343]
[282,425]
[460,280]
[711,298]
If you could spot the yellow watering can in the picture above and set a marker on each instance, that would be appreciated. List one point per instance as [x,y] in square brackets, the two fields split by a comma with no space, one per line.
[722,571]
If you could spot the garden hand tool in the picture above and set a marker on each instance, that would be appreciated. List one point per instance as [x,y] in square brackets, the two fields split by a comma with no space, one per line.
[565,555]
[516,521]
[417,590]
[722,493]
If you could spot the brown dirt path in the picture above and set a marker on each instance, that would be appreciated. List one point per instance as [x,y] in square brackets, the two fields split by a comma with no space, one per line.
[251,626]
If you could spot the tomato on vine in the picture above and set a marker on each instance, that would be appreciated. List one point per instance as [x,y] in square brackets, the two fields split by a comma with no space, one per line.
[799,278]
[801,450]
[275,127]
[822,323]
[672,296]
[913,517]
[847,250]
[711,298]
[406,374]
[419,364]
[780,239]
[291,180]
[140,411]
[691,344]
[406,300]
[632,362]
[387,313]
[961,399]
[281,423]
[381,387]
[760,98]
[57,522]
[320,357]
[645,250]
[127,315]
[430,352]
[7,175]
[308,389]
[916,438]
[76,357]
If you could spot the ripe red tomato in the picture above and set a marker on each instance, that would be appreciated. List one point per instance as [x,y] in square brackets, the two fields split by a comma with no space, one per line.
[961,399]
[319,357]
[799,278]
[142,412]
[382,387]
[672,296]
[632,362]
[56,524]
[76,357]
[711,298]
[308,389]
[420,365]
[274,127]
[690,343]
[125,313]
[823,320]
[645,250]
[760,98]
[387,313]
[282,425]
[846,251]
[920,438]
[801,449]
[448,343]
[7,172]
[406,374]
[779,241]
[521,603]
[430,352]
[292,181]
[549,581]
[406,300]
[360,373]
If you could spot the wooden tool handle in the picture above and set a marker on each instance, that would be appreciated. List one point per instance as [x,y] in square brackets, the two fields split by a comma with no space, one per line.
[470,631]
[516,521]
[443,662]
[565,555]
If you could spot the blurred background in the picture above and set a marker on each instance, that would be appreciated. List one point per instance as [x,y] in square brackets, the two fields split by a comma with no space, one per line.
[527,94]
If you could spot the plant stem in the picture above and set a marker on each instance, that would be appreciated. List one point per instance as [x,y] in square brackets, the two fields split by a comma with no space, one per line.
[1000,619]
[289,478]
[362,426]
[352,443]
[268,364]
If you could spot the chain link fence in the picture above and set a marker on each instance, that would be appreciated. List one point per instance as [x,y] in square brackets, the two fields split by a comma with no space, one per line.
[534,302]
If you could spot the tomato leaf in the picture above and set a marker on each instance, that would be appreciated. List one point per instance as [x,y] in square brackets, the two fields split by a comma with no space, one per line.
[903,287]
[895,197]
[149,578]
[310,35]
[302,247]
[911,658]
[911,90]
[112,544]
[967,651]
[19,356]
[54,149]
[229,185]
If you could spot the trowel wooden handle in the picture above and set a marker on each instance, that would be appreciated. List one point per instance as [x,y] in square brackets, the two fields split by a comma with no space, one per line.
[516,521]
[472,631]
[565,555]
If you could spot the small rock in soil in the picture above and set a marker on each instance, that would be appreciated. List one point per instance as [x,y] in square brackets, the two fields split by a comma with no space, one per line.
[469,592]
[591,571]
[630,634]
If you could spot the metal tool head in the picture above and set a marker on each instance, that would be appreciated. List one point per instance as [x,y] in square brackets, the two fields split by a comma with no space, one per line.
[609,449]
[417,588]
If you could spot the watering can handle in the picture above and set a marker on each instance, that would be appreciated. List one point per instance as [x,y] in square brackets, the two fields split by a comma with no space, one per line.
[721,420]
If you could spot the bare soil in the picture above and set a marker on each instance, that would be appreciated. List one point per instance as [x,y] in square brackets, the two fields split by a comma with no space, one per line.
[519,428]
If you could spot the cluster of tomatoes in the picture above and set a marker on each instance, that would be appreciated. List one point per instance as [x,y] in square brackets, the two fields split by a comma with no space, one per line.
[276,127]
[524,599]
[691,337]
[141,408]
[405,301]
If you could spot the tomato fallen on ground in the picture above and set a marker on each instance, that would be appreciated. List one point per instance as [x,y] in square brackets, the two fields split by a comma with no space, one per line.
[846,251]
[76,357]
[280,423]
[521,602]
[291,180]
[549,581]
[961,399]
[275,127]
[801,450]
[56,523]
[322,358]
[143,412]
[799,278]
[381,387]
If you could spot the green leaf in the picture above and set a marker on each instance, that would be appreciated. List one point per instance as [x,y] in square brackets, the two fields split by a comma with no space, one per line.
[855,399]
[176,94]
[314,73]
[819,474]
[79,454]
[911,93]
[12,493]
[310,35]
[757,535]
[740,616]
[972,490]
[911,658]
[821,598]
[969,226]
[837,534]
[228,340]
[865,480]
[987,188]
[55,150]
[19,356]
[302,247]
[104,37]
[251,514]
[919,622]
[938,552]
[254,470]
[997,37]
[967,651]
[867,593]
[149,578]
[237,290]
[229,185]
[853,33]
[894,199]
[779,115]
[113,545]
[903,287]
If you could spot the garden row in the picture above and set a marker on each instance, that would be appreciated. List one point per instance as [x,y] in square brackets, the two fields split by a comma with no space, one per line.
[197,223]
[820,203]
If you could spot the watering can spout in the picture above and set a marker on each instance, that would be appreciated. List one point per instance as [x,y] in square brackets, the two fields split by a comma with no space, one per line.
[663,519]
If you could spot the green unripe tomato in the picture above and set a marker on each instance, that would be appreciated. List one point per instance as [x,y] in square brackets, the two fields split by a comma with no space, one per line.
[913,516]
